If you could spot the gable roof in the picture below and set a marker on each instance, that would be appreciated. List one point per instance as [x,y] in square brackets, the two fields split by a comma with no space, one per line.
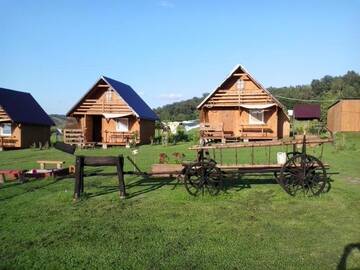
[133,100]
[22,108]
[343,99]
[236,69]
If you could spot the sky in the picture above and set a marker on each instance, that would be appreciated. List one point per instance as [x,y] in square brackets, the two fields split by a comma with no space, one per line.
[171,50]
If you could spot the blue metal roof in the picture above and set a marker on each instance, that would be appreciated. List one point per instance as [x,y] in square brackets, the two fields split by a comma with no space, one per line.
[132,99]
[22,108]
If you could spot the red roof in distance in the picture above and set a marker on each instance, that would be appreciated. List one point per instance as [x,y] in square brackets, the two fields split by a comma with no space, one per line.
[307,111]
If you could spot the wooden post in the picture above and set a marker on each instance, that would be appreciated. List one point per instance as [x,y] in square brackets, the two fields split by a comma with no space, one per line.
[221,156]
[304,145]
[252,155]
[79,176]
[120,172]
[236,156]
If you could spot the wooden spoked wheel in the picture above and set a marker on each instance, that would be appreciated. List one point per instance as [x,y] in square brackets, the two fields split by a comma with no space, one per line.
[203,176]
[193,178]
[213,181]
[303,173]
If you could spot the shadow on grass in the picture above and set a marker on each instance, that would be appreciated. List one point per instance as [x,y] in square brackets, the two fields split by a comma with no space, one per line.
[140,186]
[145,185]
[346,253]
[242,181]
[149,184]
[27,187]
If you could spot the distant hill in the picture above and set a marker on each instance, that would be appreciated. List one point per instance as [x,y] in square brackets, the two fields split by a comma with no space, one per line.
[180,111]
[325,91]
[59,120]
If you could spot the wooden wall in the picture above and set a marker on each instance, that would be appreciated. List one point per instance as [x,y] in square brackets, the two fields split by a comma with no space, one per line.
[147,131]
[144,128]
[233,118]
[344,116]
[96,103]
[34,134]
[3,116]
[227,95]
[26,135]
[283,125]
[334,118]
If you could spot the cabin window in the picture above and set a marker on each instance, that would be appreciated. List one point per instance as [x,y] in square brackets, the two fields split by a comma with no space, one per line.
[108,95]
[256,117]
[5,130]
[240,85]
[122,124]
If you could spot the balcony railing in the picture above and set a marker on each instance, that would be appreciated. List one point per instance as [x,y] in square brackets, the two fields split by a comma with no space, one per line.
[7,142]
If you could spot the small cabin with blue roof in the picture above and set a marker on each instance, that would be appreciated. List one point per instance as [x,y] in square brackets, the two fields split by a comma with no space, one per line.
[23,122]
[110,113]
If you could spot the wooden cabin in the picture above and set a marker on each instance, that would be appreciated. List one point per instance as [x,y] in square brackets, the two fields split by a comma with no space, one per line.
[344,116]
[23,123]
[240,108]
[110,113]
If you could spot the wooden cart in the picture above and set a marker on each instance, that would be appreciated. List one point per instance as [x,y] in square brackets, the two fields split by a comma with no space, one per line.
[301,171]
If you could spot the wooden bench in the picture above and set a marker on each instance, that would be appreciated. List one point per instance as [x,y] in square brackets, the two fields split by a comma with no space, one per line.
[47,162]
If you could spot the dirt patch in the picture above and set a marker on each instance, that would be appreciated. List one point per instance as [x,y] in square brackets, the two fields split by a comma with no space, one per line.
[353,180]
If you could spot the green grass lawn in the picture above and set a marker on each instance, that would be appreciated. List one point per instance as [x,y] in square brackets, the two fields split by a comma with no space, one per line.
[253,225]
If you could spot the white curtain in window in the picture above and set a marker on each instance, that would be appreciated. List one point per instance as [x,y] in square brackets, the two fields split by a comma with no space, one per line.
[122,124]
[256,116]
[5,130]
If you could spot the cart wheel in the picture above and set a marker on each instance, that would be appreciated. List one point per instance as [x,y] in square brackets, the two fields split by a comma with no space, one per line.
[193,178]
[303,173]
[213,178]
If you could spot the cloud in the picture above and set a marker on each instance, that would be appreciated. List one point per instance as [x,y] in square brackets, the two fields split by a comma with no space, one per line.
[166,4]
[171,96]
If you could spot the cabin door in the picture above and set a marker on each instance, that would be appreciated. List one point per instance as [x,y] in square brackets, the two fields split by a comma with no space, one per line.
[97,127]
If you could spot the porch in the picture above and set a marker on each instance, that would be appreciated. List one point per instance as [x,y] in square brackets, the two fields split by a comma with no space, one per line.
[216,132]
[112,138]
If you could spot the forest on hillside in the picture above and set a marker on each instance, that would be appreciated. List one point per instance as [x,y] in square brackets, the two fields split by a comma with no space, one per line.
[324,91]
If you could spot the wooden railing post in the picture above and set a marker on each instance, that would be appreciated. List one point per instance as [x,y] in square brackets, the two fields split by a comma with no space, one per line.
[120,173]
[79,177]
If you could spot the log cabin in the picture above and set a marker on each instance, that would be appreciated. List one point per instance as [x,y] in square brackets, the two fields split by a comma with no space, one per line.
[344,116]
[110,113]
[23,123]
[241,109]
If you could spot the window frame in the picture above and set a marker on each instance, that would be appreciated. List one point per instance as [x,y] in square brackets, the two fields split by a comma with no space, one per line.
[255,121]
[2,130]
[118,120]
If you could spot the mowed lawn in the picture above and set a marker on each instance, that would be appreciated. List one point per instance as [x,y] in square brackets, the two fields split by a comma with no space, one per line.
[253,225]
